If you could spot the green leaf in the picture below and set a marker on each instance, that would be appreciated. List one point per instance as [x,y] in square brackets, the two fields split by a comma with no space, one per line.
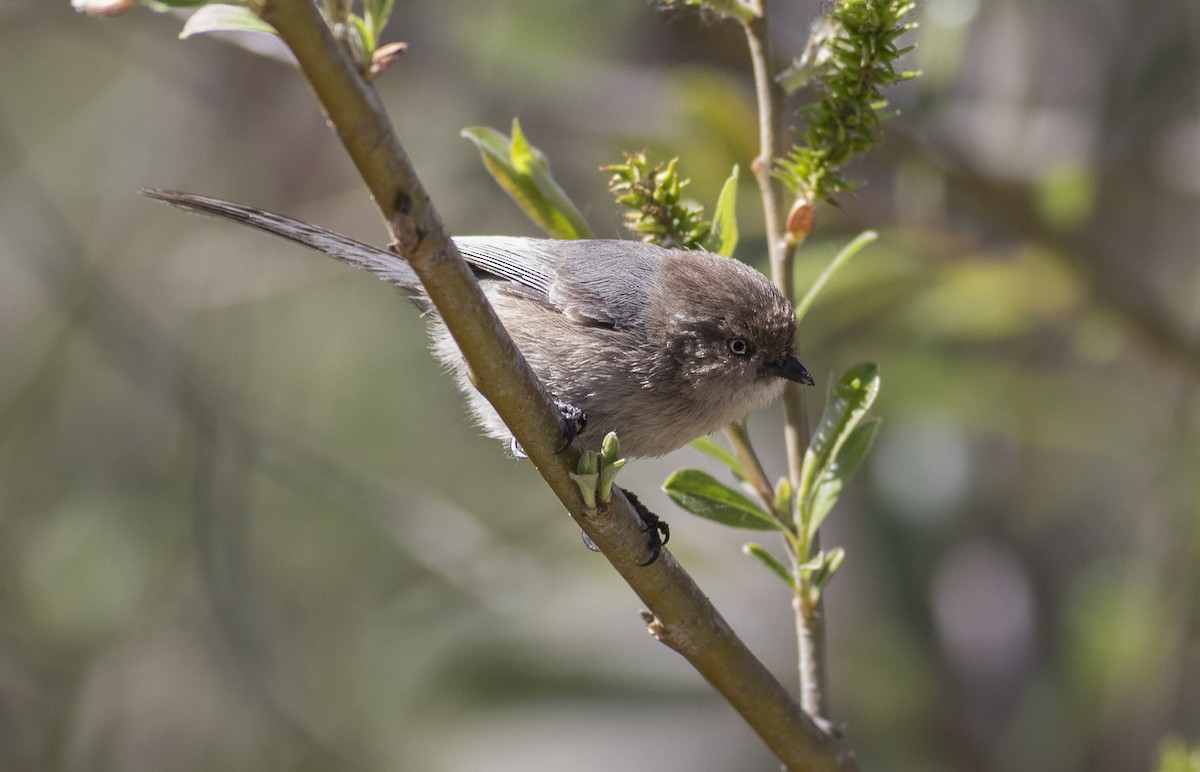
[377,13]
[362,39]
[224,18]
[604,481]
[587,483]
[610,462]
[521,153]
[772,564]
[523,172]
[830,562]
[610,449]
[587,476]
[847,252]
[783,494]
[813,564]
[823,466]
[845,464]
[716,452]
[1174,755]
[724,237]
[703,495]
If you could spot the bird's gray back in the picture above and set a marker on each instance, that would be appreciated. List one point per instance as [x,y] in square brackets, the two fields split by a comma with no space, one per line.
[600,282]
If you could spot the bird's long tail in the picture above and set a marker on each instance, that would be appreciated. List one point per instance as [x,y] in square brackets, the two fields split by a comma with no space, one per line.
[386,265]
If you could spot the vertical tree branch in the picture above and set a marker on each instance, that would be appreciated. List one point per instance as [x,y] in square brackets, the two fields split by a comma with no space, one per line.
[770,118]
[810,630]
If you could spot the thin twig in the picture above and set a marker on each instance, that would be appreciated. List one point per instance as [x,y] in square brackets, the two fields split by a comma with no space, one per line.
[751,465]
[810,630]
[770,110]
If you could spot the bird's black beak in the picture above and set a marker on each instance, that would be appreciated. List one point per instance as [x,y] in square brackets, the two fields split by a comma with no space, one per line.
[791,369]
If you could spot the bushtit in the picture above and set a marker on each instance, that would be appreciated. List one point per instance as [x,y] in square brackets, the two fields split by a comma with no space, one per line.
[659,345]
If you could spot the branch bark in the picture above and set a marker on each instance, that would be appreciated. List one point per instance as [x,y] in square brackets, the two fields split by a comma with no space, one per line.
[681,615]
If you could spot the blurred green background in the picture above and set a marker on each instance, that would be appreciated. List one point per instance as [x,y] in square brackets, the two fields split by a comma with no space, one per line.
[245,526]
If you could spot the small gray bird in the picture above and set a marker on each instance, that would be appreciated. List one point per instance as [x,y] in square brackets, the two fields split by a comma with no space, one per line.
[659,345]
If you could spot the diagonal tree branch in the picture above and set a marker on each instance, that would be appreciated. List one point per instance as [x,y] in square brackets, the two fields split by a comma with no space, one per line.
[680,614]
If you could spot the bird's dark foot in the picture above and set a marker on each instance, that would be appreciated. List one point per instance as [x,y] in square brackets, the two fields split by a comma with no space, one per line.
[658,529]
[572,420]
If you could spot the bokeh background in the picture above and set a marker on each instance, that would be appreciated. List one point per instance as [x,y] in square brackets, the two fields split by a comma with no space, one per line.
[245,526]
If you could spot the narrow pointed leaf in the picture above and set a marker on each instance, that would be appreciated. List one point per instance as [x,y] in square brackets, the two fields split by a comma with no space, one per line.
[523,172]
[771,562]
[840,259]
[362,37]
[703,495]
[377,13]
[610,465]
[521,154]
[844,465]
[852,397]
[783,495]
[724,237]
[813,563]
[830,563]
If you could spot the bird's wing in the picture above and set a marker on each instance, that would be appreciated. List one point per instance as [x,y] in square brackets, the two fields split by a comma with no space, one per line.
[593,282]
[527,262]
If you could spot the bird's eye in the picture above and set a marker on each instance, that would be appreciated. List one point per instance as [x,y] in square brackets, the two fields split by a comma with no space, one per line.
[739,347]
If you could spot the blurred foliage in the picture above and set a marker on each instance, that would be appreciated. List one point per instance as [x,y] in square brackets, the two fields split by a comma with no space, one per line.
[1176,756]
[235,532]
